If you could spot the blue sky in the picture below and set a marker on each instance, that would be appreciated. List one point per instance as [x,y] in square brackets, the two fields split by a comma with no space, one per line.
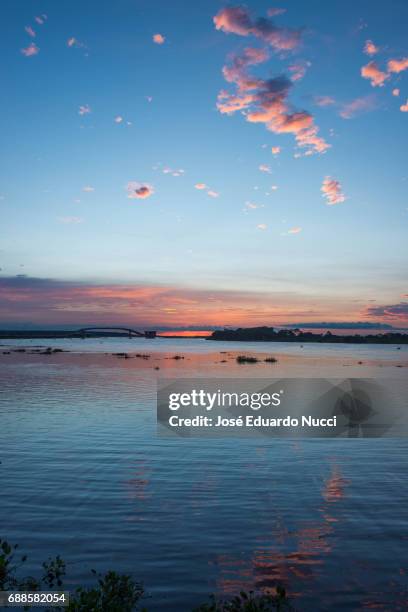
[265,245]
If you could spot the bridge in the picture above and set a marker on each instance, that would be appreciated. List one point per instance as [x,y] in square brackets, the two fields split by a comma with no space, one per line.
[131,332]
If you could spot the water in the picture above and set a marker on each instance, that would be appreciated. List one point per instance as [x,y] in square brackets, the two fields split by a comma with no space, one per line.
[84,475]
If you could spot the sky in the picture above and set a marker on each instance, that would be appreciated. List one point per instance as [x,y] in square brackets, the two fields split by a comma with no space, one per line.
[200,164]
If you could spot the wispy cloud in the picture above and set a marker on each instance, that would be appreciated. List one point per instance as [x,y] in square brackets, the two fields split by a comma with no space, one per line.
[370,48]
[275,11]
[139,191]
[30,31]
[262,226]
[40,19]
[252,206]
[298,70]
[265,168]
[332,191]
[159,39]
[31,50]
[295,230]
[396,92]
[324,100]
[84,109]
[275,150]
[173,171]
[358,106]
[404,107]
[374,74]
[74,42]
[210,192]
[389,311]
[238,20]
[88,188]
[48,302]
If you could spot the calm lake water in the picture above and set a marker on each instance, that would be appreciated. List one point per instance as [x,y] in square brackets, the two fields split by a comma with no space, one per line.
[84,475]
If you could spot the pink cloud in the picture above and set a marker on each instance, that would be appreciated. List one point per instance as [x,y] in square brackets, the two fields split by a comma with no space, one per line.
[372,72]
[266,101]
[31,50]
[265,168]
[237,20]
[331,190]
[40,19]
[200,186]
[298,70]
[276,150]
[275,11]
[53,302]
[118,119]
[396,92]
[404,107]
[391,311]
[357,106]
[73,42]
[30,31]
[236,71]
[159,39]
[262,226]
[324,100]
[295,230]
[252,206]
[84,109]
[370,48]
[139,191]
[397,65]
[212,193]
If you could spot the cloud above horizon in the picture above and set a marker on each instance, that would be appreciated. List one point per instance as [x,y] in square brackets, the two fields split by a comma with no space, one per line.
[374,74]
[84,109]
[370,48]
[238,20]
[398,65]
[53,302]
[266,101]
[324,100]
[332,191]
[358,106]
[390,311]
[159,39]
[30,31]
[139,191]
[378,77]
[31,50]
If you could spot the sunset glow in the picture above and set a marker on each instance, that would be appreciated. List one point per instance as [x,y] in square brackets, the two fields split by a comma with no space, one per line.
[244,166]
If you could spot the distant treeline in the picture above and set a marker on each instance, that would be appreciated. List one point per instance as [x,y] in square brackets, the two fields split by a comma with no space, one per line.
[268,334]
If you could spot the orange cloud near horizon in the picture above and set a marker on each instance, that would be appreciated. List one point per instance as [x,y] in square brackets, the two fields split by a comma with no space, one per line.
[49,302]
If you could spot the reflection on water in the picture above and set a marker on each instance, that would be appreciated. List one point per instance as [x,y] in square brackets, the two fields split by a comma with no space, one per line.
[84,475]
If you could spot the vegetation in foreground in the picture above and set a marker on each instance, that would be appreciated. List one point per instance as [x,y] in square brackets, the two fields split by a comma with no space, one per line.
[268,334]
[115,592]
